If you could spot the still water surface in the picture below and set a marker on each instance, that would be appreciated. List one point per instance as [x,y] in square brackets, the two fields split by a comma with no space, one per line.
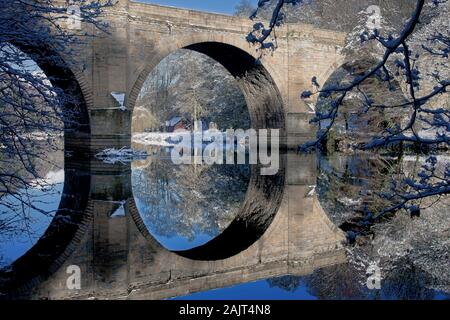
[184,207]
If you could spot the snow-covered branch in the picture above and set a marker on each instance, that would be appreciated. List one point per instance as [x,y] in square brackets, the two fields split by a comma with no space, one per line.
[413,60]
[35,109]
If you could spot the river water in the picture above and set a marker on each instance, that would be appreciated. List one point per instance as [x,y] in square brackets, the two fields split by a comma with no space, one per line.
[188,206]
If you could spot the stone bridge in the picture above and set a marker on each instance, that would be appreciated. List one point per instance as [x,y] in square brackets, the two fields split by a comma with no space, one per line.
[281,228]
[141,35]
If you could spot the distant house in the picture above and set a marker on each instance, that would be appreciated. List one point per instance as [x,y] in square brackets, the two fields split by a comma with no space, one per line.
[176,124]
[213,126]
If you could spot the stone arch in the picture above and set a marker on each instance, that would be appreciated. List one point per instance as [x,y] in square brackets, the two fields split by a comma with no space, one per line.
[343,63]
[262,202]
[325,76]
[255,78]
[266,110]
[59,241]
[62,76]
[75,209]
[354,68]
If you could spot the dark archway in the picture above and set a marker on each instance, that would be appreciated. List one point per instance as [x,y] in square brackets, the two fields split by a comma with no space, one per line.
[260,91]
[265,193]
[261,204]
[355,120]
[350,180]
[73,213]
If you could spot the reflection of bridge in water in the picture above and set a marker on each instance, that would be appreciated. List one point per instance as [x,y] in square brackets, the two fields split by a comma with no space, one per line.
[281,230]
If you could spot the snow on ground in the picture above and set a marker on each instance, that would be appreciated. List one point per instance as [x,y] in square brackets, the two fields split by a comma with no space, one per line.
[172,139]
[162,139]
[52,178]
[41,136]
[439,157]
[348,201]
[120,212]
[123,155]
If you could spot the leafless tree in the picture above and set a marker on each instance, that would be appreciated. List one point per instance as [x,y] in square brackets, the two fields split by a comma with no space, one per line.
[35,108]
[417,58]
[191,85]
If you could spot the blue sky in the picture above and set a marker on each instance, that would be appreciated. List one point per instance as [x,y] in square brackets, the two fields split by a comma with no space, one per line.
[217,6]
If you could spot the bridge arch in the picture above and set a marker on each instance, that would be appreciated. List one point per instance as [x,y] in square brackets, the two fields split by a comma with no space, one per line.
[60,239]
[341,75]
[254,78]
[260,206]
[64,76]
[266,109]
[363,126]
[74,211]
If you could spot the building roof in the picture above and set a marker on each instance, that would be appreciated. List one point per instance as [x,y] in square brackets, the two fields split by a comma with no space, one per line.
[173,122]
